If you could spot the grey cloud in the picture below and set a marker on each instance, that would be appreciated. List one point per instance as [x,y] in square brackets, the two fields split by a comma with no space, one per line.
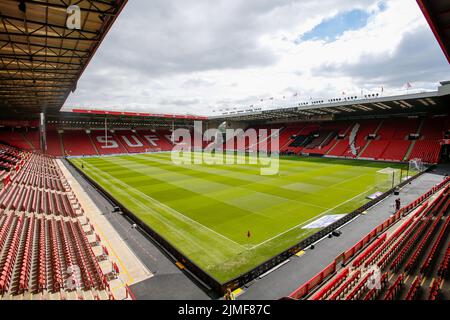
[166,37]
[155,43]
[179,102]
[196,82]
[418,58]
[162,37]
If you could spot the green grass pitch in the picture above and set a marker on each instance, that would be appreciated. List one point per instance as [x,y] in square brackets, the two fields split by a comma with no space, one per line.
[206,211]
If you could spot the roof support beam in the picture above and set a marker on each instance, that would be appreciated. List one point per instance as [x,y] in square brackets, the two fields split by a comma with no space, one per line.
[110,11]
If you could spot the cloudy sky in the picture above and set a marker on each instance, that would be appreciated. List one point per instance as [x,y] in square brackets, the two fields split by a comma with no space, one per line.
[202,56]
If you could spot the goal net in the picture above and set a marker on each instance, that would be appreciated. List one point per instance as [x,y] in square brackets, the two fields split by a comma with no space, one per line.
[387,178]
[415,166]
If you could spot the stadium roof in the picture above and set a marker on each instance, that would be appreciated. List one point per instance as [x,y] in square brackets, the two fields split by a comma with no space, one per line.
[41,59]
[427,102]
[437,13]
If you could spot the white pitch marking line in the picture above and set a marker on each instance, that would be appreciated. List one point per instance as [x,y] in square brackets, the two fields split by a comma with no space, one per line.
[164,220]
[274,237]
[156,202]
[244,189]
[314,218]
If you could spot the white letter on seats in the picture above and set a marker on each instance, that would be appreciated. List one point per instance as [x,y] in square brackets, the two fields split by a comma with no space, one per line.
[136,144]
[107,144]
[152,139]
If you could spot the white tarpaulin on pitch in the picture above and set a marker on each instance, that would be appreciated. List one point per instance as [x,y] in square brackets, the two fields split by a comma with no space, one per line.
[324,221]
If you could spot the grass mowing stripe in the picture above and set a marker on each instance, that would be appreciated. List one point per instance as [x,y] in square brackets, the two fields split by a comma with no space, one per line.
[245,184]
[123,163]
[231,200]
[180,215]
[307,221]
[245,187]
[167,222]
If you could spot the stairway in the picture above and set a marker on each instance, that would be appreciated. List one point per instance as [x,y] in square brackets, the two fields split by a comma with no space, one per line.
[28,141]
[410,149]
[334,145]
[350,126]
[413,143]
[119,141]
[369,141]
[61,143]
[327,140]
[92,142]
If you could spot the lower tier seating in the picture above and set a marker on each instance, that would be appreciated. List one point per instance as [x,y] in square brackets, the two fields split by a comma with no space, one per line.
[37,252]
[46,241]
[381,264]
[379,139]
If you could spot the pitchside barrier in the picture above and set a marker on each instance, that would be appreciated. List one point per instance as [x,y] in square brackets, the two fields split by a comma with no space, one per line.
[165,245]
[309,287]
[220,288]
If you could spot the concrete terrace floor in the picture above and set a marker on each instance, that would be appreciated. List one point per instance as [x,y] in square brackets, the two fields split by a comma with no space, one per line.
[169,282]
[131,269]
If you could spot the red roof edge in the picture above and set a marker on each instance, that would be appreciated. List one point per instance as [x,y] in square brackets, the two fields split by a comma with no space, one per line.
[139,114]
[428,17]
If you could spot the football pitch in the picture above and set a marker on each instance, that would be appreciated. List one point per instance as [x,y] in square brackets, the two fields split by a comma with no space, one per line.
[229,219]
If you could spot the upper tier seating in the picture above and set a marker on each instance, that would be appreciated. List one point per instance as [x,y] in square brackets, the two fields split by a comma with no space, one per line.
[334,129]
[285,137]
[342,147]
[301,139]
[366,127]
[391,140]
[321,138]
[257,142]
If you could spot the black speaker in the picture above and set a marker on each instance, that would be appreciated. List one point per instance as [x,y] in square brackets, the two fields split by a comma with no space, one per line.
[336,233]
